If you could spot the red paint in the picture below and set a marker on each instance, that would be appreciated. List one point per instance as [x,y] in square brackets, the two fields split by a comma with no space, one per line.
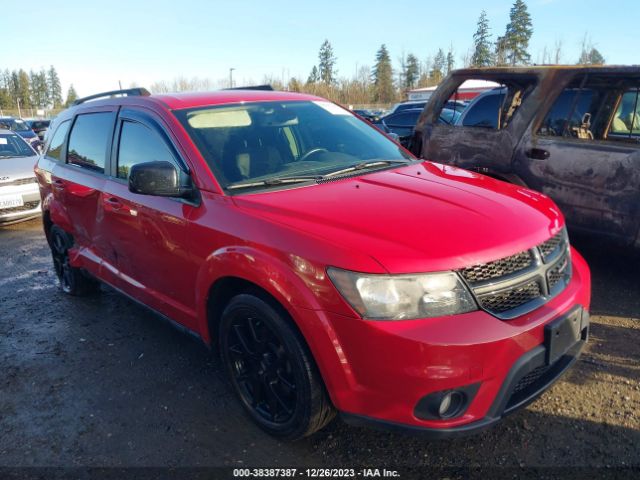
[418,218]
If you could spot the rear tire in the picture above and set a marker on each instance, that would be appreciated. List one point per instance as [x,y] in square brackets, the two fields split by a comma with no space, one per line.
[271,369]
[73,281]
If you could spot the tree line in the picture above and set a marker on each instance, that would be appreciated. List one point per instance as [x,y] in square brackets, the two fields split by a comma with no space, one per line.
[383,83]
[36,89]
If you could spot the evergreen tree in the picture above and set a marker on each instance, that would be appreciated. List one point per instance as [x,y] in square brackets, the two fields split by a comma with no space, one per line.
[39,89]
[412,71]
[383,77]
[450,60]
[71,96]
[517,35]
[591,57]
[482,46]
[55,89]
[438,67]
[327,63]
[23,92]
[314,76]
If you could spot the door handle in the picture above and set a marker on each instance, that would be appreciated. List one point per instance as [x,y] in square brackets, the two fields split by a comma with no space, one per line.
[114,203]
[537,153]
[57,184]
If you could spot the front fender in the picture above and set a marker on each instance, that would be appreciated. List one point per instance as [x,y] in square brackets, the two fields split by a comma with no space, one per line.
[289,279]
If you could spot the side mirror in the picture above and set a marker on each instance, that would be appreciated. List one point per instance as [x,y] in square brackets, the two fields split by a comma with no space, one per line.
[161,179]
[394,136]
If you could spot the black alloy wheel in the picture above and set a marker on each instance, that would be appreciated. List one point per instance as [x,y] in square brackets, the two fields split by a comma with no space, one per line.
[271,369]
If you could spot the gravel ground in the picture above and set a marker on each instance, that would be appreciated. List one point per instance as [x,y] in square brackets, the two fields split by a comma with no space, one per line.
[100,382]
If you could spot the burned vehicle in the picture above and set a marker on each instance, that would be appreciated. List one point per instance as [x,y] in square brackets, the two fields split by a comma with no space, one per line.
[572,133]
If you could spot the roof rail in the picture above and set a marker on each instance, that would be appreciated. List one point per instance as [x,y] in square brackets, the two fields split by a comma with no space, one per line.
[253,87]
[129,92]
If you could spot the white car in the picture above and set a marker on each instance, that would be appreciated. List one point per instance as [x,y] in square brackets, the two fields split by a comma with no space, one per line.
[19,194]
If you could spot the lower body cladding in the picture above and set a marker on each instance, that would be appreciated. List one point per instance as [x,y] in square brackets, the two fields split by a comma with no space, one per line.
[452,375]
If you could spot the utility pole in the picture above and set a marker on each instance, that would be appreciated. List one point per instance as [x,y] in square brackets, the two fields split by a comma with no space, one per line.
[19,112]
[231,77]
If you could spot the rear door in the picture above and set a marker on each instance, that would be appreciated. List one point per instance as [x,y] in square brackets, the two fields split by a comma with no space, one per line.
[584,153]
[78,182]
[147,235]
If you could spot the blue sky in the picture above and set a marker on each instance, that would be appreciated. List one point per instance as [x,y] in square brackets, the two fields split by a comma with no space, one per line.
[93,44]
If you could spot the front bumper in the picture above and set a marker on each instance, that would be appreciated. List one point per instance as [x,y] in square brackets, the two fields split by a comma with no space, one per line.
[377,372]
[31,205]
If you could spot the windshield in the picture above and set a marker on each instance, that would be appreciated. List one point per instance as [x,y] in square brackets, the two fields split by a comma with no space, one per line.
[256,142]
[11,145]
[14,124]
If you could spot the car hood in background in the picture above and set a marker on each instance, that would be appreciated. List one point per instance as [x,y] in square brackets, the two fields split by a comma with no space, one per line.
[422,217]
[16,168]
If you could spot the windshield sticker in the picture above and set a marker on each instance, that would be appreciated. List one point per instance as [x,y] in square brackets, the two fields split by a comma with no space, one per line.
[332,108]
[3,141]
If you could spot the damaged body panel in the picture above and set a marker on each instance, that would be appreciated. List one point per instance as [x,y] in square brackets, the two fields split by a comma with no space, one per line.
[572,133]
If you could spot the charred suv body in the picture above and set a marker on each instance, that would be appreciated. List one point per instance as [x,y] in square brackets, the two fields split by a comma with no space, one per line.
[333,270]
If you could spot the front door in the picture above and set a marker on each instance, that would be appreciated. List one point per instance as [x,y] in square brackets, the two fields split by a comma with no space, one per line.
[147,234]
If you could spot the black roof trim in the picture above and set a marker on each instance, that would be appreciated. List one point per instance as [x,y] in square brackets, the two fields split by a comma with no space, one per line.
[129,92]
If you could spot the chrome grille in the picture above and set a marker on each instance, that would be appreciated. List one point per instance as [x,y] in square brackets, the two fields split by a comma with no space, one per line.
[27,206]
[20,181]
[550,246]
[515,285]
[511,298]
[499,268]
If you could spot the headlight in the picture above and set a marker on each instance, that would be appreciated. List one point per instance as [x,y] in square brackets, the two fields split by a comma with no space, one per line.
[403,297]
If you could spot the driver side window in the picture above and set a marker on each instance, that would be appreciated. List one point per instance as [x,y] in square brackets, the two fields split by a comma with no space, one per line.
[138,144]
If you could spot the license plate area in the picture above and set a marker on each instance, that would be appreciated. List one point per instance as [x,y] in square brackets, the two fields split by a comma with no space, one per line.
[562,334]
[11,201]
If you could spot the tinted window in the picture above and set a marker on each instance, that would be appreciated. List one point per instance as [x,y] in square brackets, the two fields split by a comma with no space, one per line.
[404,119]
[265,140]
[626,120]
[55,146]
[88,140]
[11,145]
[557,121]
[138,144]
[484,112]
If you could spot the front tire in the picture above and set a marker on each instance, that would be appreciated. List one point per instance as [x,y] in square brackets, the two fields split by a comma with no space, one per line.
[271,369]
[73,281]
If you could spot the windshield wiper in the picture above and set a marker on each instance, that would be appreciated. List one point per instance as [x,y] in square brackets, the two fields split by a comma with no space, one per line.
[363,166]
[270,182]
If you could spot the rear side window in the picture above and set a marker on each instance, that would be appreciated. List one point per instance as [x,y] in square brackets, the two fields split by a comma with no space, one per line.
[567,112]
[484,112]
[89,139]
[138,144]
[55,146]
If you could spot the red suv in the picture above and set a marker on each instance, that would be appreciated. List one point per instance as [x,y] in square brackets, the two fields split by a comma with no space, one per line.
[332,269]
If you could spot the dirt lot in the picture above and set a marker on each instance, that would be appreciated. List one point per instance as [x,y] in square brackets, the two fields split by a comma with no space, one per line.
[100,382]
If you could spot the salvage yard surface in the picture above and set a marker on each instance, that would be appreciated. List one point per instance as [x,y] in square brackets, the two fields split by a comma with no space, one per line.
[101,382]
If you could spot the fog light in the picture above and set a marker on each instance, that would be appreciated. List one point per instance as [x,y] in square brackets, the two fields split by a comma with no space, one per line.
[450,404]
[446,404]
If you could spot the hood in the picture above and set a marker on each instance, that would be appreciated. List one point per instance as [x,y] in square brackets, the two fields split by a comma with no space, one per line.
[419,218]
[15,168]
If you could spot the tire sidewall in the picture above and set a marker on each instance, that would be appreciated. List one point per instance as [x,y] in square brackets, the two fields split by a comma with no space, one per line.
[299,422]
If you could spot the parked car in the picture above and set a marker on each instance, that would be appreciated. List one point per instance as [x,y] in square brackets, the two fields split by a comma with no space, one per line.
[39,127]
[367,115]
[332,269]
[21,128]
[401,124]
[19,194]
[410,105]
[569,132]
